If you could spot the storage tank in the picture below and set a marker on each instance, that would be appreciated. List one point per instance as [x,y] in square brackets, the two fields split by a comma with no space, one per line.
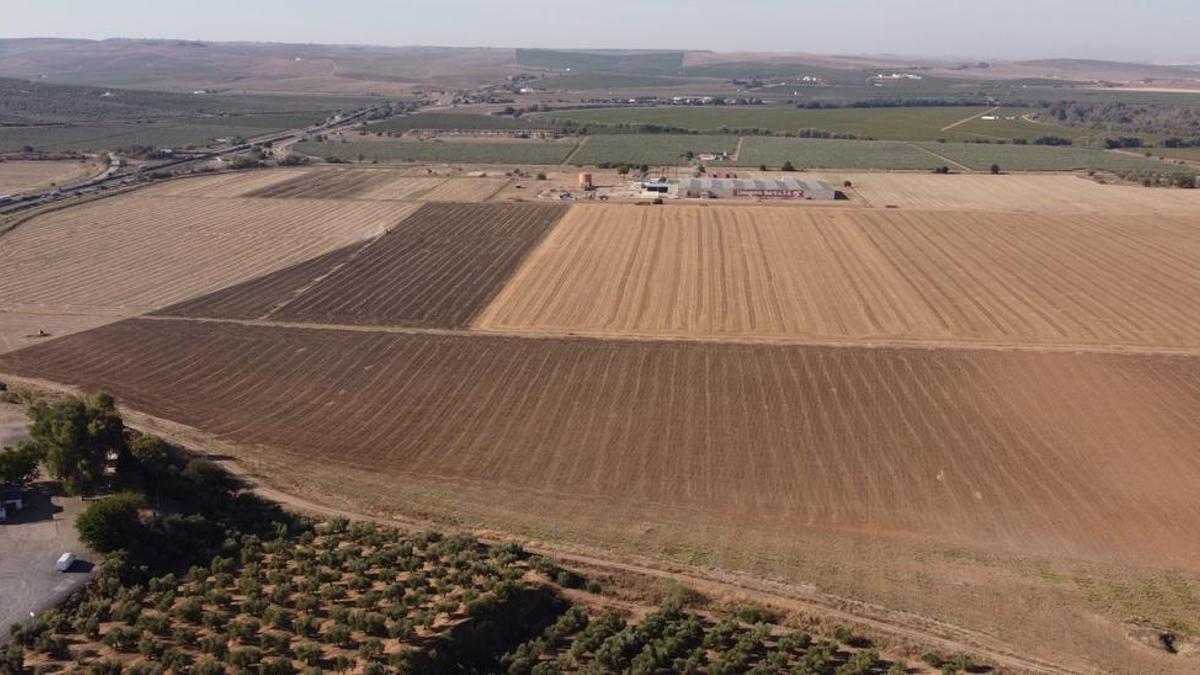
[585,180]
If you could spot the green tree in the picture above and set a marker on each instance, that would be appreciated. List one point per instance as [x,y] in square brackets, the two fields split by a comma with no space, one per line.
[76,435]
[111,523]
[19,465]
[787,166]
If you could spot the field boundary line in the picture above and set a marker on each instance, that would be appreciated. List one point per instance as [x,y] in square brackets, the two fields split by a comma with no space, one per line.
[299,292]
[942,157]
[571,155]
[961,122]
[896,623]
[832,343]
[737,149]
[497,191]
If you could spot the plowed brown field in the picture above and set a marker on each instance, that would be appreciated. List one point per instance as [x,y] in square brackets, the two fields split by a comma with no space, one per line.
[1064,454]
[861,275]
[133,254]
[438,268]
[260,297]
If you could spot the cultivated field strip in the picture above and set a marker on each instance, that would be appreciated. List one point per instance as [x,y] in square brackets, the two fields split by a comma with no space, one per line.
[258,298]
[223,185]
[438,268]
[1026,193]
[405,187]
[466,190]
[135,253]
[1062,454]
[23,329]
[864,274]
[326,184]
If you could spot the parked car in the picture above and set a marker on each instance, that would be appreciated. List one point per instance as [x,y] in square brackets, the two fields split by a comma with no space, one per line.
[64,562]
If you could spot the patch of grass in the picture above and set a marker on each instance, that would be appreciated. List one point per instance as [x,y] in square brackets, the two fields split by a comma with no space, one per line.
[532,152]
[805,153]
[663,149]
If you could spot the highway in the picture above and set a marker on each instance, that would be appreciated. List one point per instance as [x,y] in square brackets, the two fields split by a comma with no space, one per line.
[115,176]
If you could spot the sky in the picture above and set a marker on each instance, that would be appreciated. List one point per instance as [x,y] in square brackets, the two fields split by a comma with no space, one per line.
[1155,31]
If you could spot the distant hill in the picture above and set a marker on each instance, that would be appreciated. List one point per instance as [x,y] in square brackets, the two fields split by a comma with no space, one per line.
[186,65]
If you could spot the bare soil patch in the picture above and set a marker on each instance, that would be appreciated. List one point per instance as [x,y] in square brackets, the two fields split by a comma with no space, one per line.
[1082,455]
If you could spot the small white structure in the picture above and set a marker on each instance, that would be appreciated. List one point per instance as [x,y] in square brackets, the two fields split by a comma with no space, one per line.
[64,562]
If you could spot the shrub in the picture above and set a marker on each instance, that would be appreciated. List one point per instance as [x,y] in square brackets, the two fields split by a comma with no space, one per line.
[208,666]
[122,638]
[244,657]
[111,523]
[308,652]
[105,667]
[12,659]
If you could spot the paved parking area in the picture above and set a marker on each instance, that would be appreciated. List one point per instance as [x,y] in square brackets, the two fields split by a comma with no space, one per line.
[32,540]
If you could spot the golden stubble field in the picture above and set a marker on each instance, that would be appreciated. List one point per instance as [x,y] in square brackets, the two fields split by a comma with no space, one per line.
[861,275]
[23,175]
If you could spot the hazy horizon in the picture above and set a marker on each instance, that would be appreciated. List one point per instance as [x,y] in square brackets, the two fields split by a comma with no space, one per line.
[1158,31]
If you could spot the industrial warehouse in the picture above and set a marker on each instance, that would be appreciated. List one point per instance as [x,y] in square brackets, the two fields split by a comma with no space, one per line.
[756,188]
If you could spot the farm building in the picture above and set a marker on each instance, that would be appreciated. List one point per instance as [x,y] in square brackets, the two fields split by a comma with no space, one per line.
[760,188]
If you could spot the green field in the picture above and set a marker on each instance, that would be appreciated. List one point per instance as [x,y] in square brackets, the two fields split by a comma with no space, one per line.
[457,120]
[531,152]
[899,124]
[1004,128]
[663,149]
[603,61]
[980,156]
[1192,154]
[806,153]
[588,81]
[103,137]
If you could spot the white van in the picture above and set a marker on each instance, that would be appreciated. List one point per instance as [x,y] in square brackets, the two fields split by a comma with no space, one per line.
[64,562]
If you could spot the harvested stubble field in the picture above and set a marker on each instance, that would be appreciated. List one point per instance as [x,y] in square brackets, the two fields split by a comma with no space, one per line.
[19,176]
[766,272]
[326,184]
[406,187]
[223,185]
[438,268]
[136,253]
[21,329]
[1038,193]
[809,153]
[466,190]
[1062,454]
